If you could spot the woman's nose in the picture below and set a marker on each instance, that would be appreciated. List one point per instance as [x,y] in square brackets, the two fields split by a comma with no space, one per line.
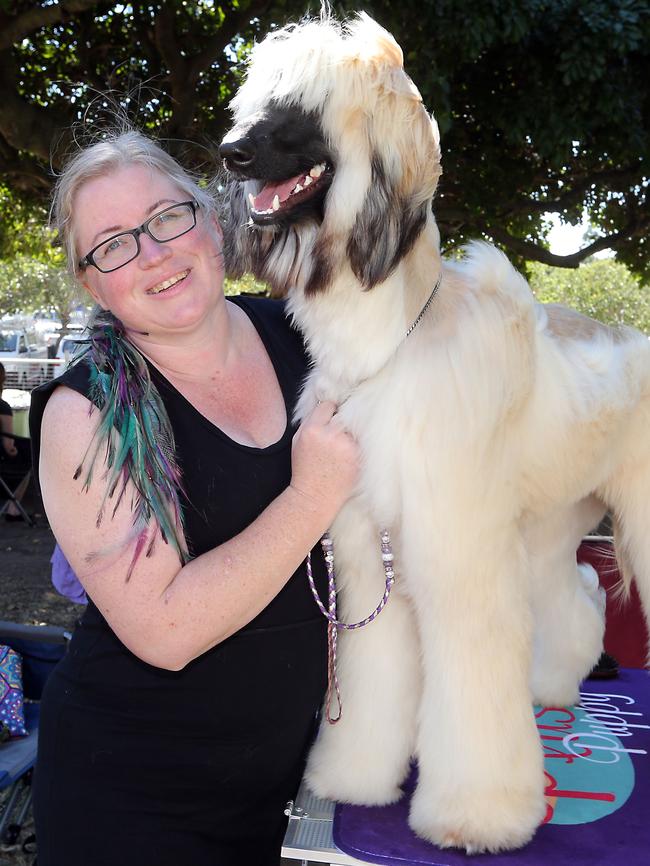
[152,252]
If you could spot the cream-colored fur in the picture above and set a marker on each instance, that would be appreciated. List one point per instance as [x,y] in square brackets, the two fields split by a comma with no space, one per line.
[493,437]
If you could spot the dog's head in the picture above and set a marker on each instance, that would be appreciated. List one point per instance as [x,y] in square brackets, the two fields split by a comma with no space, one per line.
[332,160]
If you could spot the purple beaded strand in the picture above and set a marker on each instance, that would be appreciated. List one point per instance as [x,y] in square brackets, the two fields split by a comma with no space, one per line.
[387,560]
[333,623]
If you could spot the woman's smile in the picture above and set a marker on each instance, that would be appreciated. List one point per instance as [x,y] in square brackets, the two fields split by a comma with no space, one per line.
[172,282]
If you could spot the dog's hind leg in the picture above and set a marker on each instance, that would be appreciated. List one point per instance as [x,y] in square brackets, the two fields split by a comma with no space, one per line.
[365,756]
[568,605]
[481,783]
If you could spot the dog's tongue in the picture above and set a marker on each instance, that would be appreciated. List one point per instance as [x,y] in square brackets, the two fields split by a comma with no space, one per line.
[264,199]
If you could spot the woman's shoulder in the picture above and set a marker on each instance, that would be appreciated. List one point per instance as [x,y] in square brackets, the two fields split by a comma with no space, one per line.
[5,408]
[65,393]
[270,310]
[271,315]
[76,377]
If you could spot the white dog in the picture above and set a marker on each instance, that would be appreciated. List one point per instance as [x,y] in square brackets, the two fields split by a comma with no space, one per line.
[494,435]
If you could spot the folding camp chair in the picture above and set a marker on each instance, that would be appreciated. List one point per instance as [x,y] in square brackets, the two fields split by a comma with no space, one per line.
[41,648]
[13,476]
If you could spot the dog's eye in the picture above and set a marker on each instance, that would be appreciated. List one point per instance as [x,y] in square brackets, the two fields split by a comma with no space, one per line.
[289,136]
[296,131]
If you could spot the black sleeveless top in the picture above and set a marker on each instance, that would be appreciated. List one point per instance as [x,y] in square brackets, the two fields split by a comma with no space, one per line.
[119,738]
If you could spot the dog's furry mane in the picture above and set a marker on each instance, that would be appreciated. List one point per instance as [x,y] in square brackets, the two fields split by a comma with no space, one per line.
[382,144]
[494,436]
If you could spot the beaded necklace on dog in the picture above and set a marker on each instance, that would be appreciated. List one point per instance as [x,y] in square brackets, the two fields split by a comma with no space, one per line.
[387,557]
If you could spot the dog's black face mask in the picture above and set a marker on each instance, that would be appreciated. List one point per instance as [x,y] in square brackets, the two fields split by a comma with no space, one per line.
[284,149]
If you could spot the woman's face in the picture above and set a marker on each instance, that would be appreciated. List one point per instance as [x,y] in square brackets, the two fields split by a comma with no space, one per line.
[188,269]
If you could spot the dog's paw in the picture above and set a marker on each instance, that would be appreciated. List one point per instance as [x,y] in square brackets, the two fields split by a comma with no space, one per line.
[488,822]
[555,687]
[352,778]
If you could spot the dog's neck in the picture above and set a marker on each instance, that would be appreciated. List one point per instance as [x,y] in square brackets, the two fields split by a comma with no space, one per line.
[351,334]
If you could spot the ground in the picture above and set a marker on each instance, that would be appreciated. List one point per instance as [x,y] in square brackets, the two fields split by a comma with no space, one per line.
[27,596]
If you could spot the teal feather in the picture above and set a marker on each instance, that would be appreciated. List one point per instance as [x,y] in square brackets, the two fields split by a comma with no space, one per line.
[135,435]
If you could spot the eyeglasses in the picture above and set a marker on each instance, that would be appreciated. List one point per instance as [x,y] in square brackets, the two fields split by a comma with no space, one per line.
[119,250]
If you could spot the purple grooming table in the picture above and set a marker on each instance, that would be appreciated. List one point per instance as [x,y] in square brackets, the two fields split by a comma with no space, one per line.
[597,761]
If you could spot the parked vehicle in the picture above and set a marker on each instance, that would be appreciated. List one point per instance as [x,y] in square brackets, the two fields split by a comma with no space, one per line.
[17,352]
[68,348]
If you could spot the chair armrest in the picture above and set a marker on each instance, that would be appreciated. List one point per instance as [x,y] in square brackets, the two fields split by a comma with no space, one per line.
[54,634]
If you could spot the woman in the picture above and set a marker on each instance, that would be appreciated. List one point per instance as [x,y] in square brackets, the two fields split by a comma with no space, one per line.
[175,729]
[14,452]
[6,421]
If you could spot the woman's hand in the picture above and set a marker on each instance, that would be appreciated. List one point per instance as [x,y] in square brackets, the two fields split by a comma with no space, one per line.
[325,461]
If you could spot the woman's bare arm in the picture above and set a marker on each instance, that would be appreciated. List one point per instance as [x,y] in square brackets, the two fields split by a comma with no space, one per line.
[167,614]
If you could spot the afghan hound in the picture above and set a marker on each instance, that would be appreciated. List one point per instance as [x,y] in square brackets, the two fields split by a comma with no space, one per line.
[495,432]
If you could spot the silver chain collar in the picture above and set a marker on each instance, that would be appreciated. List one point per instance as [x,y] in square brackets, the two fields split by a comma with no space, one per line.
[434,292]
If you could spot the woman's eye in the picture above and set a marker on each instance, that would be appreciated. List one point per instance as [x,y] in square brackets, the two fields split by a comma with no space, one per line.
[167,217]
[113,246]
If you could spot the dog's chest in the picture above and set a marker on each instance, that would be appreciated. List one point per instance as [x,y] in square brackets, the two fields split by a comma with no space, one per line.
[390,435]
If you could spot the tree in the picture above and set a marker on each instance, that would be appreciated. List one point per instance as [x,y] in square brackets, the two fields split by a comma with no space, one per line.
[171,63]
[543,105]
[24,228]
[602,288]
[28,285]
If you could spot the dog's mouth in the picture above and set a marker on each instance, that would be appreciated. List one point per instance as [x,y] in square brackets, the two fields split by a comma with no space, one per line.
[276,200]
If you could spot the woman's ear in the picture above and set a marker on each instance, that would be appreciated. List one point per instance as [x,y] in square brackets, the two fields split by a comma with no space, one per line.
[94,294]
[215,228]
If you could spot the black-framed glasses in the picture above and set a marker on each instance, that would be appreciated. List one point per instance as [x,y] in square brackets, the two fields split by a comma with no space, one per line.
[119,250]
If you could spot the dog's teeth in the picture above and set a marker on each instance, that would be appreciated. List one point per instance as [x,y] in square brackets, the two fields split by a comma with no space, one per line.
[276,203]
[308,180]
[317,170]
[297,188]
[251,199]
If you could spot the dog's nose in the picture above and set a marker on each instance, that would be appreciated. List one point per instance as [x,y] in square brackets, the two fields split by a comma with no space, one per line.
[238,154]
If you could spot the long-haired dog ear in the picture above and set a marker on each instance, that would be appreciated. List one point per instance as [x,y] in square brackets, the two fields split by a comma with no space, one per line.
[234,217]
[385,229]
[245,247]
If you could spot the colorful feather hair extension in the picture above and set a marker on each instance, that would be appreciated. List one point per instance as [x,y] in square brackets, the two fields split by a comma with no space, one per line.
[135,434]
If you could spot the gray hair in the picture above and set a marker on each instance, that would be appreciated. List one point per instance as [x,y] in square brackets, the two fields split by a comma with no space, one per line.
[114,150]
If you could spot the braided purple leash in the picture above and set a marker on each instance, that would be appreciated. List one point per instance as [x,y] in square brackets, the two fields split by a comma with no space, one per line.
[330,615]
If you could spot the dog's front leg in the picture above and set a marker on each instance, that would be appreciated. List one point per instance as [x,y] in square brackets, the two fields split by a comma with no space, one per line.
[364,757]
[481,784]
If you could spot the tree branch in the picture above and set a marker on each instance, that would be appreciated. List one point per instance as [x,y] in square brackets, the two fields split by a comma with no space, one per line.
[185,72]
[233,24]
[24,126]
[24,172]
[167,46]
[534,252]
[42,16]
[576,193]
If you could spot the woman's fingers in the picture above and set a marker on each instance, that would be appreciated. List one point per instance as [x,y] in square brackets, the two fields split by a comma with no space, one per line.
[325,459]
